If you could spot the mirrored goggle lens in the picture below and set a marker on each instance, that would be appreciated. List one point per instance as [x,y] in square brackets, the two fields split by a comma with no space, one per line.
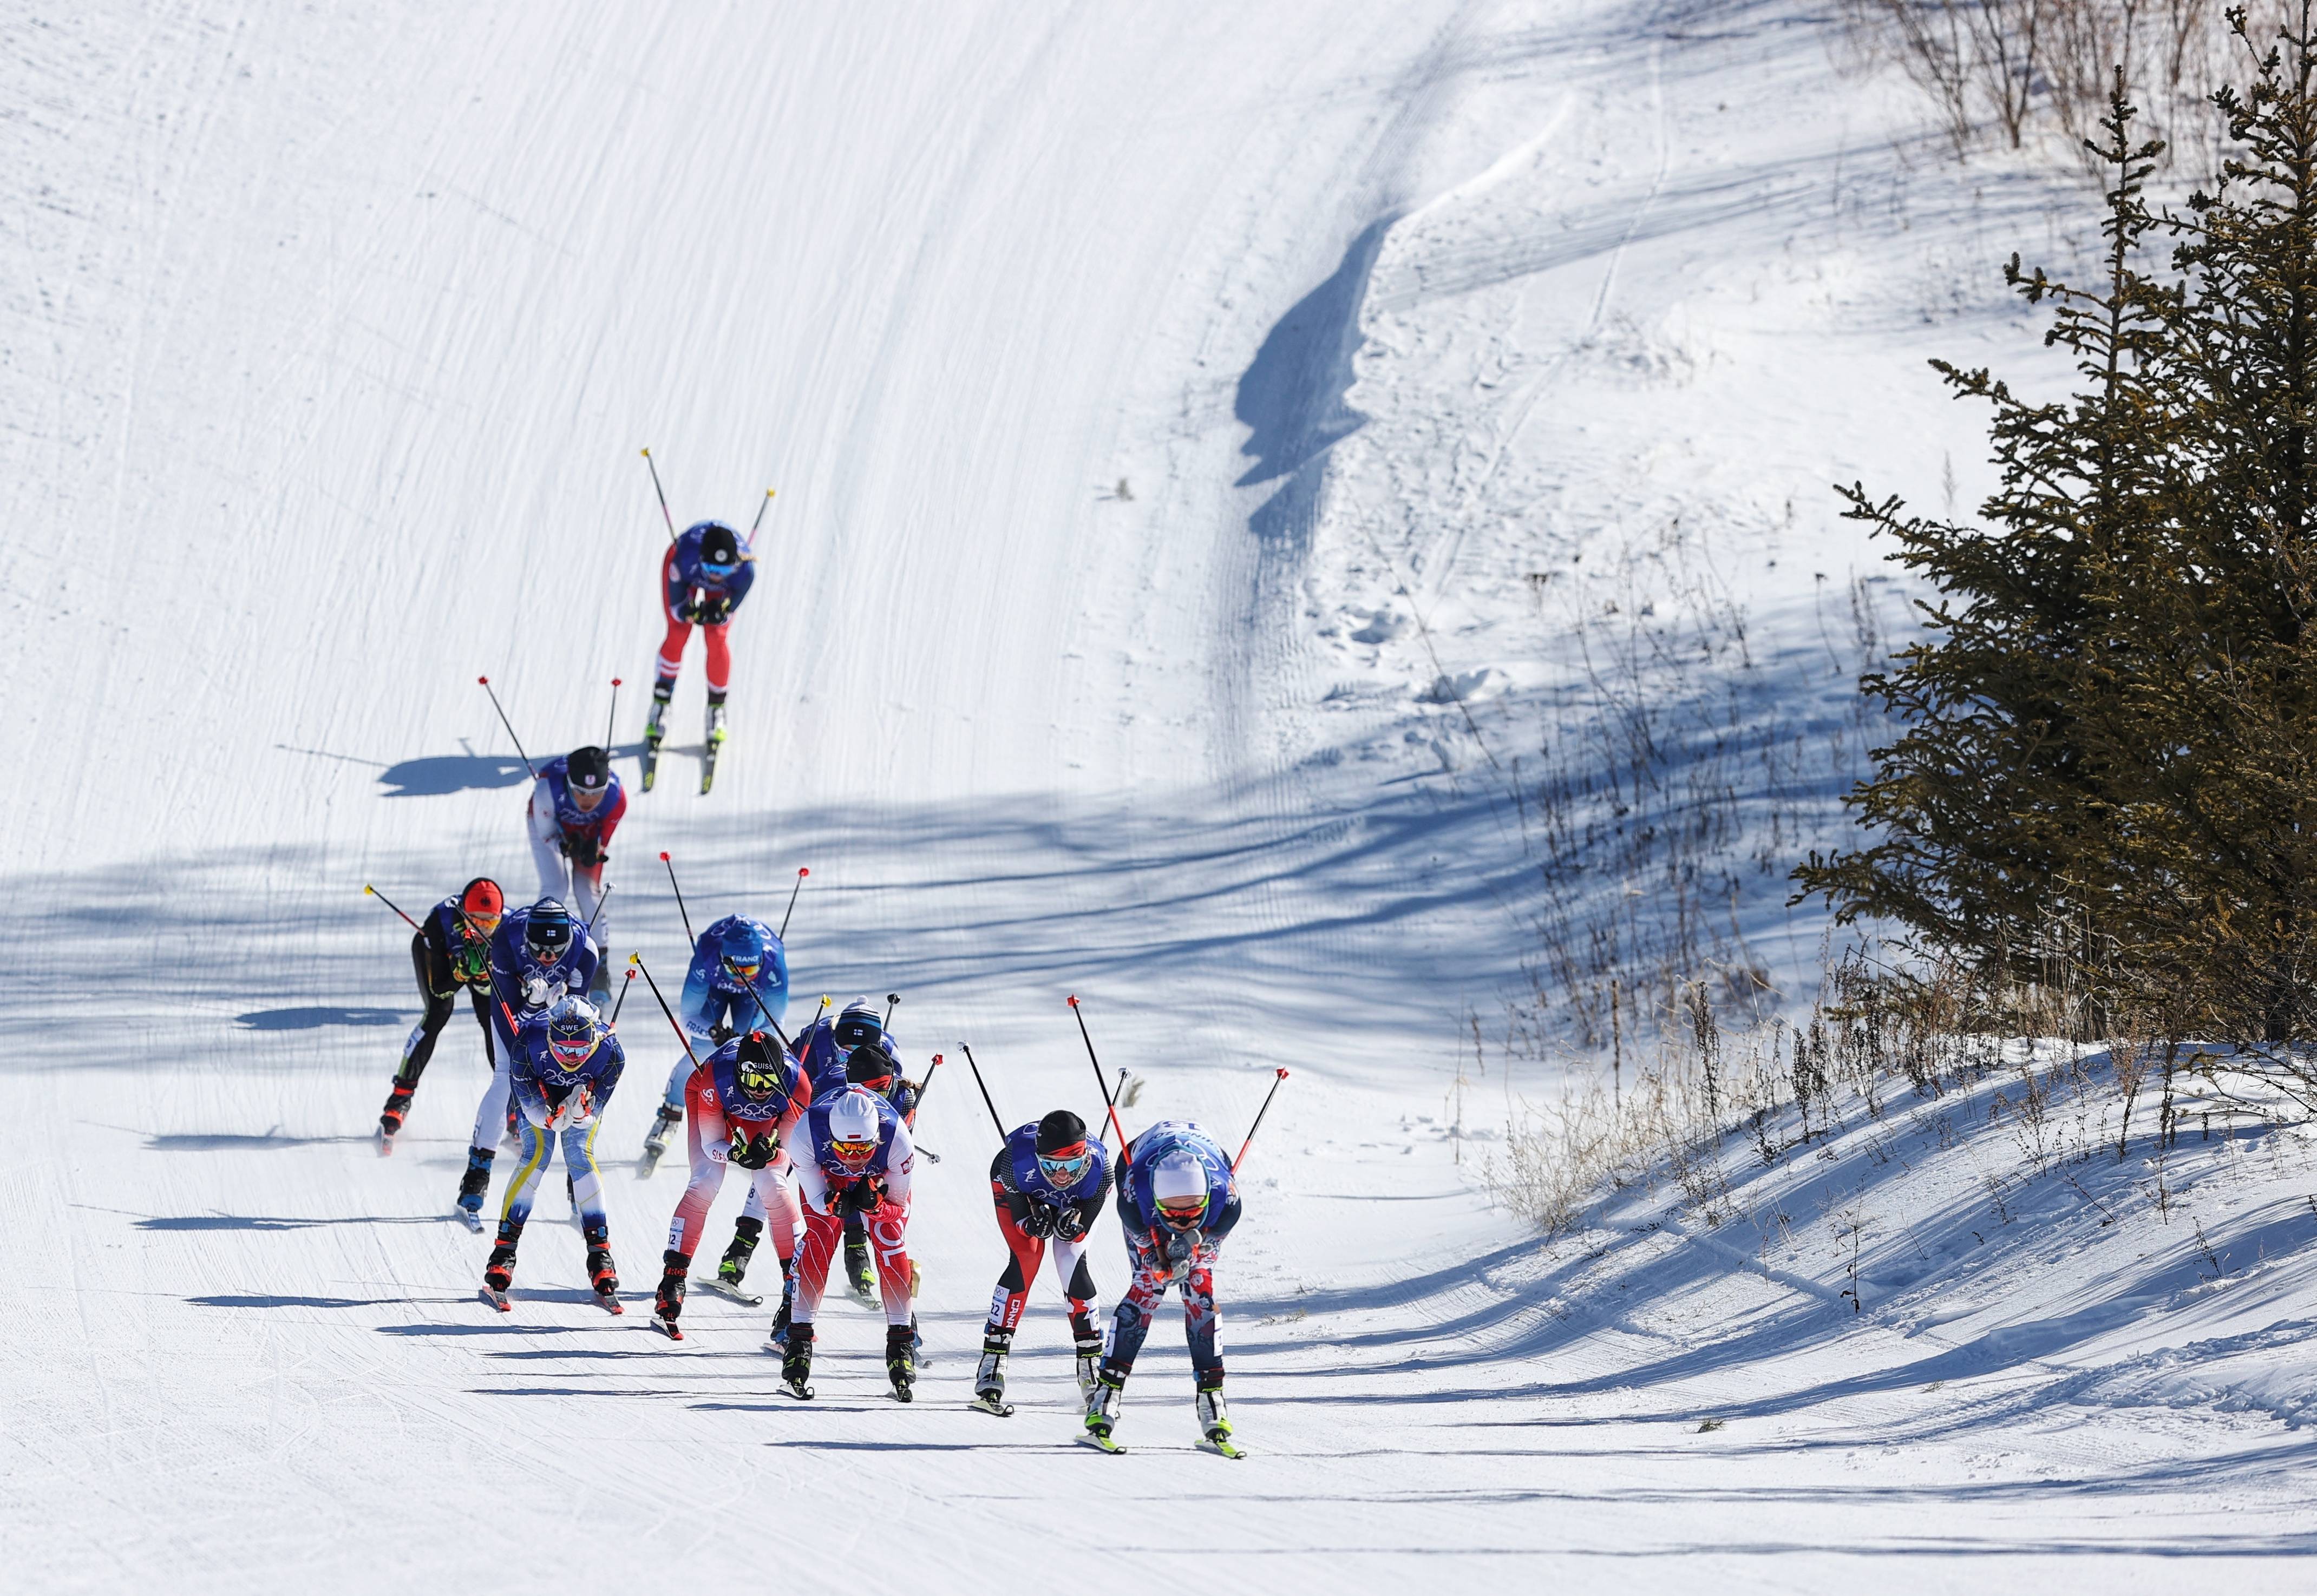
[853,1151]
[746,972]
[1065,1172]
[1181,1211]
[484,924]
[571,1052]
[711,568]
[759,1082]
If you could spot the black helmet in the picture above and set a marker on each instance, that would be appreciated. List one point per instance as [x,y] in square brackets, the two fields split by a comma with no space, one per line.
[548,930]
[719,545]
[756,1065]
[588,768]
[872,1065]
[1061,1130]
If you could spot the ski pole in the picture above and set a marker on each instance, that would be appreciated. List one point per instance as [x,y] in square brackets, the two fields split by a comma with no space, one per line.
[977,1080]
[389,902]
[733,970]
[602,899]
[1100,1081]
[1259,1113]
[801,873]
[662,492]
[760,519]
[679,900]
[612,720]
[926,1085]
[504,721]
[891,998]
[627,981]
[637,959]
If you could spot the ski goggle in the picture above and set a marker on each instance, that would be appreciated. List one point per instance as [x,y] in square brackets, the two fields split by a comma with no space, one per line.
[1182,1212]
[571,1051]
[482,925]
[717,569]
[758,1080]
[1065,1168]
[746,972]
[550,937]
[852,1154]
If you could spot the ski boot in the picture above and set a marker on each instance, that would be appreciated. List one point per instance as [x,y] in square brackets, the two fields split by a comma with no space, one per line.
[796,1363]
[602,1274]
[901,1360]
[779,1330]
[1101,1409]
[990,1379]
[1214,1418]
[655,733]
[498,1273]
[1088,1341]
[862,1284]
[390,1117]
[473,1184]
[733,1268]
[715,719]
[667,1302]
[656,1141]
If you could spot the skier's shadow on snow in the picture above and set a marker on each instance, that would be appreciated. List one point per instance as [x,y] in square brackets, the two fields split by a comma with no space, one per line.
[315,1018]
[227,1142]
[293,1302]
[438,774]
[265,1221]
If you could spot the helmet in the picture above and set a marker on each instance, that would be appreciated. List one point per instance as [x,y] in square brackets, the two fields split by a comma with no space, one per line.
[871,1065]
[756,1065]
[572,1032]
[481,903]
[588,768]
[855,1128]
[742,949]
[1178,1186]
[547,933]
[719,549]
[859,1023]
[1063,1156]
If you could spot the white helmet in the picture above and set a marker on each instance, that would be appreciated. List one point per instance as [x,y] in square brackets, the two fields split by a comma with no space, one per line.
[1178,1187]
[853,1128]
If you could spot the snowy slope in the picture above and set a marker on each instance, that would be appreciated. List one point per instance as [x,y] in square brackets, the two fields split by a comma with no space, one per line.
[331,336]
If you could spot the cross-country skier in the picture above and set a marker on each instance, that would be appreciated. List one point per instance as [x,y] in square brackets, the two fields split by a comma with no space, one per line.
[872,1064]
[576,806]
[823,1046]
[1176,1201]
[703,577]
[537,955]
[741,1107]
[853,1156]
[735,957]
[568,1064]
[1049,1183]
[452,950]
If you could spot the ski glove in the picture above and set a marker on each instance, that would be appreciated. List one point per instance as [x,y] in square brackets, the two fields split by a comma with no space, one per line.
[1040,1221]
[713,611]
[1071,1225]
[860,1197]
[585,851]
[754,1151]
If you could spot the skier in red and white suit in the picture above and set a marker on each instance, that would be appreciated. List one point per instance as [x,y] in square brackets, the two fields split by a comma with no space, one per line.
[854,1157]
[741,1107]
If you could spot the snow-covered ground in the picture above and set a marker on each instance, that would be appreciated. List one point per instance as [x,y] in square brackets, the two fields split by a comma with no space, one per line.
[1210,442]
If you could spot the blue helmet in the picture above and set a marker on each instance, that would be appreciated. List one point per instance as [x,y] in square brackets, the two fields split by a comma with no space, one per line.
[742,951]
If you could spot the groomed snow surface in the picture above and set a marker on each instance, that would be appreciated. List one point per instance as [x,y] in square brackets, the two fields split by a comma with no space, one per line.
[1265,493]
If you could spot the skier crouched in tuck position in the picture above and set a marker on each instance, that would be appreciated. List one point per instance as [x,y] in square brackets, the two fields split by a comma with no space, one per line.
[1176,1201]
[452,950]
[703,578]
[854,1157]
[576,806]
[568,1064]
[742,1105]
[826,1048]
[537,957]
[872,1064]
[1049,1183]
[739,974]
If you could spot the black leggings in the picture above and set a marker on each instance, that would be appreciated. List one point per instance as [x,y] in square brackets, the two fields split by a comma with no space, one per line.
[434,979]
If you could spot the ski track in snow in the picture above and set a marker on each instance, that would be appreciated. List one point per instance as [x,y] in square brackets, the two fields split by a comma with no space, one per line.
[342,326]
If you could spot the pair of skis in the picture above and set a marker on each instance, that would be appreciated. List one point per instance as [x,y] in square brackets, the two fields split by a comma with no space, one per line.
[714,746]
[498,1300]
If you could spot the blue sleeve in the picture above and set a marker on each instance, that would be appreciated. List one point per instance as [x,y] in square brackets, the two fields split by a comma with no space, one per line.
[525,1083]
[617,1063]
[737,585]
[1219,1224]
[699,1006]
[584,958]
